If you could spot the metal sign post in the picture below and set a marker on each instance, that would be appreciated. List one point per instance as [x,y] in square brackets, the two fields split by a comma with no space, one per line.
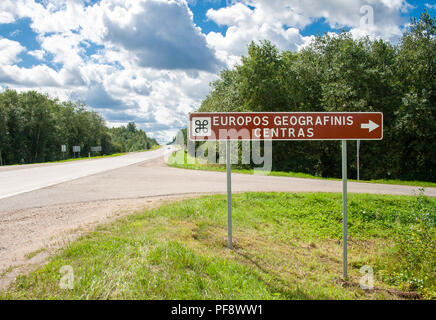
[229,195]
[249,126]
[76,149]
[96,149]
[63,150]
[344,209]
[358,169]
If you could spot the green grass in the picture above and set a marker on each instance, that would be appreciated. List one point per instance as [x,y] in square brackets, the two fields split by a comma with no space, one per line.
[286,246]
[74,159]
[176,161]
[88,158]
[155,147]
[34,253]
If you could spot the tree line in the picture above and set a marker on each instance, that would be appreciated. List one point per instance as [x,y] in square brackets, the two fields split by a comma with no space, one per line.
[339,73]
[33,127]
[129,138]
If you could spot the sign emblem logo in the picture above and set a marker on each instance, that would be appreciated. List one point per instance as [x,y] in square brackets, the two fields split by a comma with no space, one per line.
[201,127]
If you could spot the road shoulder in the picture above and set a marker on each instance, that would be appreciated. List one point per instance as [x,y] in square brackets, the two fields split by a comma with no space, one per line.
[29,237]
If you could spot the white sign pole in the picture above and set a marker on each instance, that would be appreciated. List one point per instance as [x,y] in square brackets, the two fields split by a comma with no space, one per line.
[229,194]
[344,208]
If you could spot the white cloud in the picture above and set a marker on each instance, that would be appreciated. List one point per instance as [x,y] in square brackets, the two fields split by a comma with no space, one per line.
[38,54]
[246,25]
[37,76]
[234,15]
[6,17]
[175,44]
[342,13]
[9,51]
[64,47]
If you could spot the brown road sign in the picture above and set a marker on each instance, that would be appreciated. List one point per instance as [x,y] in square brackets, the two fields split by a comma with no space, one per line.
[286,126]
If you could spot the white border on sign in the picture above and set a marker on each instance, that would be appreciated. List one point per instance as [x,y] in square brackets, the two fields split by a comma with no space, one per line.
[308,139]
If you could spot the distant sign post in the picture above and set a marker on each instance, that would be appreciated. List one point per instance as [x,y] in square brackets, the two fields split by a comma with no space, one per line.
[63,150]
[287,126]
[96,149]
[76,149]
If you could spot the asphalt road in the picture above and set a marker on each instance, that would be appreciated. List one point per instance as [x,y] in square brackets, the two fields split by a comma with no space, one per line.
[15,180]
[141,175]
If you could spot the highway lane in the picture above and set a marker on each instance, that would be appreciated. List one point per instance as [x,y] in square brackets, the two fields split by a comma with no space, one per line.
[15,180]
[152,178]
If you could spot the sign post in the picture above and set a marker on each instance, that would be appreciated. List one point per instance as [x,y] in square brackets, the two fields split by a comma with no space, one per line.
[344,209]
[63,150]
[76,149]
[248,126]
[229,195]
[96,149]
[358,166]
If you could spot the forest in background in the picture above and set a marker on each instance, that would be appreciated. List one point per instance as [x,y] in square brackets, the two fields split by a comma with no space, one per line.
[129,138]
[33,127]
[339,73]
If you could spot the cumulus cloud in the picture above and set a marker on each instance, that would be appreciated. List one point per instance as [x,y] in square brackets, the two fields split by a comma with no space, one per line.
[38,54]
[161,34]
[97,97]
[340,13]
[6,17]
[37,76]
[9,51]
[64,47]
[247,24]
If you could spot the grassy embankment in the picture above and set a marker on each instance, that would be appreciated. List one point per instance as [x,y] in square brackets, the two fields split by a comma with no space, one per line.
[87,158]
[286,246]
[195,164]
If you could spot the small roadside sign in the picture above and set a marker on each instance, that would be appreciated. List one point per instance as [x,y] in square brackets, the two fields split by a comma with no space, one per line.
[63,150]
[76,148]
[96,149]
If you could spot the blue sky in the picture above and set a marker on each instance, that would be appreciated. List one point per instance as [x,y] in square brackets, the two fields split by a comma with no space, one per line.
[151,61]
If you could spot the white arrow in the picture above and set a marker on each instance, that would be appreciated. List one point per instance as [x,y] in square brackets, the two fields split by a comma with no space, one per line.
[370,125]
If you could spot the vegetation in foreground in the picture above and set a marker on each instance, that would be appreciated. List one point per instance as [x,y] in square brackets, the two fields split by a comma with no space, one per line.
[286,246]
[181,159]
